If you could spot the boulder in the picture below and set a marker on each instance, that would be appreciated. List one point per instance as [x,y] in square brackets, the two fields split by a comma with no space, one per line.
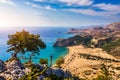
[15,64]
[41,77]
[2,78]
[60,73]
[48,72]
[15,70]
[2,66]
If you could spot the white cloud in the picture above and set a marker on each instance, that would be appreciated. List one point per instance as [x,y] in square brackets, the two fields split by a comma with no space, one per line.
[85,11]
[33,5]
[40,7]
[77,2]
[49,8]
[92,12]
[70,2]
[9,2]
[39,0]
[108,7]
[107,10]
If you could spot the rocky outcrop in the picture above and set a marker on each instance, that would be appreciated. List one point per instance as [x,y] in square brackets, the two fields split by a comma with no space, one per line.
[15,64]
[2,78]
[60,73]
[52,71]
[15,70]
[2,66]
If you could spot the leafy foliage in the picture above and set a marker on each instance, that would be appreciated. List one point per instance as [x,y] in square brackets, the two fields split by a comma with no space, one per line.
[100,77]
[105,70]
[13,58]
[22,42]
[60,61]
[118,68]
[43,61]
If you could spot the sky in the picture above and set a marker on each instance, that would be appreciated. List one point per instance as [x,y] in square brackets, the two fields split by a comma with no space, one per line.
[58,12]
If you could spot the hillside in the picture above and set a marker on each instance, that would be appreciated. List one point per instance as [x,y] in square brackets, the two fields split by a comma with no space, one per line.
[85,62]
[76,40]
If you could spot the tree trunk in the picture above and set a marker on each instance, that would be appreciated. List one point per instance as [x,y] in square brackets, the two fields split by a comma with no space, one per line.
[14,55]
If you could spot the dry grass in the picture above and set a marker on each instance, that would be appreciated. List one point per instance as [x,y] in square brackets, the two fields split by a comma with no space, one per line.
[78,65]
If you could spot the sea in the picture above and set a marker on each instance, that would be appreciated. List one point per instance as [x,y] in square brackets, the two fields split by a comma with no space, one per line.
[48,34]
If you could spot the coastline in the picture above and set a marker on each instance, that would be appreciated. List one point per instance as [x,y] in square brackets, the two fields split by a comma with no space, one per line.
[76,60]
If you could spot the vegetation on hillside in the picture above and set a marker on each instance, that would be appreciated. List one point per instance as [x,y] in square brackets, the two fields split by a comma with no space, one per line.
[76,40]
[43,61]
[59,62]
[105,73]
[35,72]
[113,47]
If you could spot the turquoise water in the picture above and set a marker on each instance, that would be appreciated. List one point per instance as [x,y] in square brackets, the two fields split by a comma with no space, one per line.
[48,35]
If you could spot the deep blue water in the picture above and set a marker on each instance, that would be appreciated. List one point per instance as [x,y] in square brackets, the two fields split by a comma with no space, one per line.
[48,35]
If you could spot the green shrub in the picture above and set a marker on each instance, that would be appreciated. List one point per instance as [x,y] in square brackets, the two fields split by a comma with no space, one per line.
[59,62]
[13,58]
[53,77]
[35,72]
[47,78]
[118,68]
[100,77]
[112,47]
[43,61]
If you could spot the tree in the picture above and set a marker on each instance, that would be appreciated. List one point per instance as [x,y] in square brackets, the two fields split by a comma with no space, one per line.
[24,42]
[43,61]
[60,61]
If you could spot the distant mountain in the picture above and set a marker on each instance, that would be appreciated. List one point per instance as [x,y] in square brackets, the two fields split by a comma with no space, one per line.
[113,26]
[99,31]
